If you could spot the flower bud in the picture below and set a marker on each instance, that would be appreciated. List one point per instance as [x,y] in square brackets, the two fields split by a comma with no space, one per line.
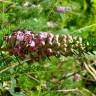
[28,32]
[42,42]
[57,38]
[77,42]
[70,39]
[32,44]
[28,37]
[82,48]
[20,36]
[50,38]
[49,51]
[72,50]
[58,44]
[80,39]
[65,45]
[50,35]
[41,36]
[65,39]
[58,53]
[75,38]
[65,49]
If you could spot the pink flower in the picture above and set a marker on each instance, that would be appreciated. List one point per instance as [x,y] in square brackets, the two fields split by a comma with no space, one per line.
[60,9]
[42,35]
[28,38]
[32,44]
[20,36]
[39,41]
[40,38]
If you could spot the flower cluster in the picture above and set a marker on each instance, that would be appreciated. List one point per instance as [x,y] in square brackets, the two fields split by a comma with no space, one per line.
[38,45]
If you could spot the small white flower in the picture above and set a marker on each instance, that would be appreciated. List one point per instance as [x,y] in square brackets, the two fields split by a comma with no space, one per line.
[26,4]
[10,36]
[51,24]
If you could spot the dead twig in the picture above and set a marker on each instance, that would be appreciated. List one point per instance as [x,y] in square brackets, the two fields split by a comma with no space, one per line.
[90,70]
[30,76]
[68,90]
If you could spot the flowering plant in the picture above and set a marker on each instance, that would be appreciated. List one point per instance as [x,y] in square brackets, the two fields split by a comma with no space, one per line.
[38,45]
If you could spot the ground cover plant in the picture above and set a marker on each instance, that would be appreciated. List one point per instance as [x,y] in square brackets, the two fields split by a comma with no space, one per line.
[47,47]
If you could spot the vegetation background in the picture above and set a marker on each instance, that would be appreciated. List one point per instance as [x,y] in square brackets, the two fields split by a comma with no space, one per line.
[64,76]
